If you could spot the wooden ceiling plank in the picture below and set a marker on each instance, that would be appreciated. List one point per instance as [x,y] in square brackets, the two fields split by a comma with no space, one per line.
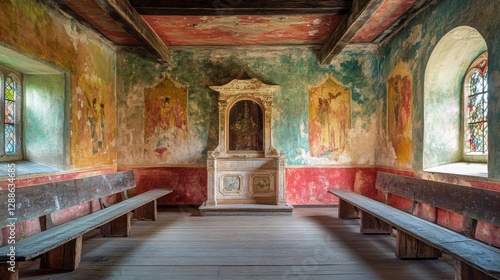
[237,12]
[401,22]
[126,16]
[240,7]
[63,6]
[361,12]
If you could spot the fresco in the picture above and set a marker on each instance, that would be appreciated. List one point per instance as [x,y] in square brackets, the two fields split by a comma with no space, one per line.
[399,113]
[292,69]
[329,119]
[165,117]
[95,117]
[93,114]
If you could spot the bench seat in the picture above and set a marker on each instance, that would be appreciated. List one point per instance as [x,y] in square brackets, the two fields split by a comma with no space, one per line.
[40,243]
[466,250]
[59,246]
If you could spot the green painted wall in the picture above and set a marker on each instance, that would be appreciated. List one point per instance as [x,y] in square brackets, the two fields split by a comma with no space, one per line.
[295,70]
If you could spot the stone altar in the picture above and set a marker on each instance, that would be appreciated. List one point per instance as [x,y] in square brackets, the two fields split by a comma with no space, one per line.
[245,169]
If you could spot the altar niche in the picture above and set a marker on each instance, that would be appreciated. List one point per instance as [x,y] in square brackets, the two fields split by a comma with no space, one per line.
[246,126]
[245,168]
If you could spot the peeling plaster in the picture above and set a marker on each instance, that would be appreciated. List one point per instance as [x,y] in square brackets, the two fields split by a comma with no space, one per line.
[414,37]
[242,29]
[370,144]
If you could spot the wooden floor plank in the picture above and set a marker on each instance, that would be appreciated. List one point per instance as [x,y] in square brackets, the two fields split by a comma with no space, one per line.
[310,244]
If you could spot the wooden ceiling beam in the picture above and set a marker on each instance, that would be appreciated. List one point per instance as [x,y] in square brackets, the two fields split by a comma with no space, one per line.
[240,7]
[361,12]
[128,18]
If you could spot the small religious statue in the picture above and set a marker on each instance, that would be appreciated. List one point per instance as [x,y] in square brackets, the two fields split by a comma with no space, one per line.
[245,126]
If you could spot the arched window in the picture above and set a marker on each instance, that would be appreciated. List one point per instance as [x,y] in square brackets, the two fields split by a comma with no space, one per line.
[456,105]
[476,110]
[10,114]
[10,140]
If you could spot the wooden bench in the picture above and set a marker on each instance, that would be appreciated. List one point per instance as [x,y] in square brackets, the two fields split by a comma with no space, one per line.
[417,238]
[60,246]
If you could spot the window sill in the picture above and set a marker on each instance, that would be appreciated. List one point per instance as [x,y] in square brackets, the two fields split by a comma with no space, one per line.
[462,168]
[24,167]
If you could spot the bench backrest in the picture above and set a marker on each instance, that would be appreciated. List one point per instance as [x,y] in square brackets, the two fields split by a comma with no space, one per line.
[475,203]
[38,200]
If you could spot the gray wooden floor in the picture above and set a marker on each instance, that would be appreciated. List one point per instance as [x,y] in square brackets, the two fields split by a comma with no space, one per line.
[311,244]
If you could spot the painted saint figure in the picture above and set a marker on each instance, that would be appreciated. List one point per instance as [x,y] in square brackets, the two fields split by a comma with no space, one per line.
[95,114]
[330,136]
[329,123]
[399,113]
[171,113]
[165,120]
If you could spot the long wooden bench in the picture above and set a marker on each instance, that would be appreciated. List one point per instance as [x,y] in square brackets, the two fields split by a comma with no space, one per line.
[60,246]
[417,238]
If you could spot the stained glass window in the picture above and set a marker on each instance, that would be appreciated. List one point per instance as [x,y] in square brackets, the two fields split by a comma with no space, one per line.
[10,115]
[476,108]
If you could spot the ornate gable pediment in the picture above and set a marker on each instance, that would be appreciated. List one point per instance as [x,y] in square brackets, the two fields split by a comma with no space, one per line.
[253,87]
[243,90]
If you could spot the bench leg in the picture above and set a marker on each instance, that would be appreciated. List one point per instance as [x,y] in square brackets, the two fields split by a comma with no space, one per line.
[8,272]
[370,224]
[347,211]
[464,271]
[146,212]
[117,227]
[409,247]
[65,257]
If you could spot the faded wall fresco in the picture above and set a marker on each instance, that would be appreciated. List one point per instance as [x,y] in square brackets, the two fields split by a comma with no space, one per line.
[93,112]
[165,117]
[153,113]
[31,28]
[95,118]
[399,113]
[295,70]
[329,119]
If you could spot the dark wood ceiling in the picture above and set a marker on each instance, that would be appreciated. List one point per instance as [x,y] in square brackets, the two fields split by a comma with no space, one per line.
[326,25]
